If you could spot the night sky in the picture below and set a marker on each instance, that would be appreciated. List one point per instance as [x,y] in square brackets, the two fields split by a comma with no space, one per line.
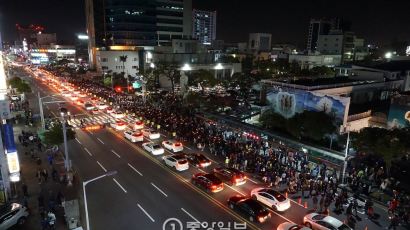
[378,21]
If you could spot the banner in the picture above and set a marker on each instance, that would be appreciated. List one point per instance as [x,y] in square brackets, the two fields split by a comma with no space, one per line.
[8,135]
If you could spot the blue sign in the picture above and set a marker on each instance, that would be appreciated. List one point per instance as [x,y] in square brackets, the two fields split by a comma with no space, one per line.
[8,134]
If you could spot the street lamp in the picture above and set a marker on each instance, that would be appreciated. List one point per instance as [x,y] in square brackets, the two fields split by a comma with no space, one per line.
[110,173]
[67,164]
[346,155]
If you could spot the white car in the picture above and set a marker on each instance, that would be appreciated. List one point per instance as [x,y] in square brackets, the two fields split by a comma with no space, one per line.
[119,125]
[177,161]
[102,105]
[318,221]
[138,125]
[14,97]
[151,134]
[12,214]
[291,226]
[133,136]
[117,114]
[172,145]
[271,198]
[88,106]
[155,149]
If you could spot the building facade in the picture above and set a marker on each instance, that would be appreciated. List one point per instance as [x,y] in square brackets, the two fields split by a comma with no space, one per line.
[259,42]
[136,22]
[204,26]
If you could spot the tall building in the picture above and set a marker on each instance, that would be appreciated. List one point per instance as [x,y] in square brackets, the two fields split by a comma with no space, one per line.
[136,23]
[204,26]
[259,42]
[319,27]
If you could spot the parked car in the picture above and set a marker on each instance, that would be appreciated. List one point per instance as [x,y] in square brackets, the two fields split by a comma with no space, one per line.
[155,149]
[318,221]
[230,175]
[12,214]
[271,198]
[178,161]
[133,136]
[173,146]
[198,160]
[208,182]
[249,208]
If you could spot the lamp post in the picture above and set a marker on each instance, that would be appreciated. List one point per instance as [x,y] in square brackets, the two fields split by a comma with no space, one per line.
[67,164]
[346,155]
[40,103]
[110,173]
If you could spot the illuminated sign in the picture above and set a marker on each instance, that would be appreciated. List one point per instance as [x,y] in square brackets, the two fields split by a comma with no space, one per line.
[13,162]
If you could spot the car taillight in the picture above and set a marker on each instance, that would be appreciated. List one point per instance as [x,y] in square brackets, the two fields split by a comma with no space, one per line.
[177,144]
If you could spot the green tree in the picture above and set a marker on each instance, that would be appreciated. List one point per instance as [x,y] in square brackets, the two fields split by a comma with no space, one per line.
[272,120]
[55,136]
[312,130]
[20,85]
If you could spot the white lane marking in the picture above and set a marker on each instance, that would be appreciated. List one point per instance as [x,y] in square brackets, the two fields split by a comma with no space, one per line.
[105,170]
[187,147]
[146,213]
[115,153]
[190,215]
[119,185]
[236,190]
[78,141]
[163,193]
[134,169]
[89,153]
[100,140]
[252,181]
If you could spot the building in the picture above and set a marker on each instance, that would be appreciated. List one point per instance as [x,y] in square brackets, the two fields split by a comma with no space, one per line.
[111,61]
[318,27]
[259,42]
[204,26]
[28,34]
[43,39]
[136,23]
[310,60]
[52,53]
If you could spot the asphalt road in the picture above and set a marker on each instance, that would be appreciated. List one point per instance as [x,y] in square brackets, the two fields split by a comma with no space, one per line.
[145,193]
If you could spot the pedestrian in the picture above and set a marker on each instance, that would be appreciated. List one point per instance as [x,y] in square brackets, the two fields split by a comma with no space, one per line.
[314,200]
[50,159]
[394,221]
[45,174]
[54,174]
[38,175]
[24,189]
[51,218]
[321,203]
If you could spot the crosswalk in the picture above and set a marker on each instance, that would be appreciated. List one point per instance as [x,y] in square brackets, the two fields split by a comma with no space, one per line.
[101,119]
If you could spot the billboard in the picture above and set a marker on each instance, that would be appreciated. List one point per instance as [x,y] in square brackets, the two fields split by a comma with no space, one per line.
[399,112]
[289,101]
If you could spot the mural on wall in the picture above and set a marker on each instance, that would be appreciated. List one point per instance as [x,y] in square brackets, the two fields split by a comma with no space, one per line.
[399,112]
[287,102]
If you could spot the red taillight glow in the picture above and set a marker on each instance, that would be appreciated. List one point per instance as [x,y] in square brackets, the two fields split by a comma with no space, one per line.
[177,144]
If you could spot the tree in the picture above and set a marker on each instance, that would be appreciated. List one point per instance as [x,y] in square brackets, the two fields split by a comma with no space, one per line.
[322,71]
[20,85]
[203,78]
[123,59]
[170,71]
[312,130]
[271,120]
[55,136]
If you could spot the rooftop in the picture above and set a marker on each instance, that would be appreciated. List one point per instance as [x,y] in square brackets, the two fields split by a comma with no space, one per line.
[391,66]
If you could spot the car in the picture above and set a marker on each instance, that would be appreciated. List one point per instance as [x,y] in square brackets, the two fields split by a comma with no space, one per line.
[88,106]
[291,226]
[102,105]
[151,134]
[249,208]
[82,95]
[318,221]
[109,110]
[230,175]
[94,99]
[198,160]
[133,136]
[178,161]
[153,148]
[12,214]
[117,114]
[95,111]
[119,125]
[79,102]
[138,125]
[271,198]
[76,92]
[208,182]
[73,97]
[172,145]
[66,93]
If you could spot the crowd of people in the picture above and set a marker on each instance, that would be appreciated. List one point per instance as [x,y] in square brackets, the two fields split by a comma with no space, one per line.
[275,164]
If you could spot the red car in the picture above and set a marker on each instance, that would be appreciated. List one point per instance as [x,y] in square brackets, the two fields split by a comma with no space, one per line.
[208,182]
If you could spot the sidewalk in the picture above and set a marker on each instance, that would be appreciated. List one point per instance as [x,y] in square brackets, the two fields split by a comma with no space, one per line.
[49,192]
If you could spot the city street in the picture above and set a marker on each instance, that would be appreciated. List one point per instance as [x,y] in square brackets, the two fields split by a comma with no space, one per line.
[145,192]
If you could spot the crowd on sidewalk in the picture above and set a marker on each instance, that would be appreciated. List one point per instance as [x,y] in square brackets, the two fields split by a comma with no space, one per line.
[274,163]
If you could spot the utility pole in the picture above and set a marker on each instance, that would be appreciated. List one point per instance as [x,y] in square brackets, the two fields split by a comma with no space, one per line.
[346,155]
[43,125]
